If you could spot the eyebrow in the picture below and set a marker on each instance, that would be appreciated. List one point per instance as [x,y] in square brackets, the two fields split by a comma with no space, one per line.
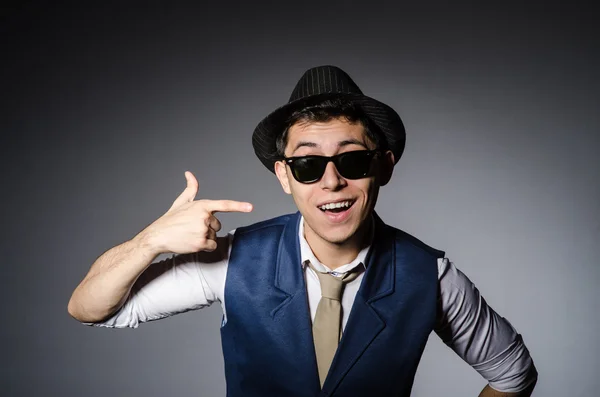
[343,143]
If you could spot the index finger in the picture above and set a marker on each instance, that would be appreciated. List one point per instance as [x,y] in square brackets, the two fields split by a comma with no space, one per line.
[227,206]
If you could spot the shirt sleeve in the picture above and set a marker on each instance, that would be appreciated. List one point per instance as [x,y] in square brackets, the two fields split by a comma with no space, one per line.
[175,285]
[479,335]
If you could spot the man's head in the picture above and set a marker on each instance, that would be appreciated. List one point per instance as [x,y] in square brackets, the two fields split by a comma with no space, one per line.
[330,128]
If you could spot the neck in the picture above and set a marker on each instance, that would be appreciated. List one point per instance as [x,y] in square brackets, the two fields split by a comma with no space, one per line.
[334,255]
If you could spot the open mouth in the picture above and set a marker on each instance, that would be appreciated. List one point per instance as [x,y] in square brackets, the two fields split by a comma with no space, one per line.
[337,208]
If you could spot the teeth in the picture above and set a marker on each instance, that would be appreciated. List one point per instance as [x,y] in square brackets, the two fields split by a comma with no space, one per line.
[330,206]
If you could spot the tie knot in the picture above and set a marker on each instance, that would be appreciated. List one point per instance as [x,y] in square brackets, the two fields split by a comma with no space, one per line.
[331,286]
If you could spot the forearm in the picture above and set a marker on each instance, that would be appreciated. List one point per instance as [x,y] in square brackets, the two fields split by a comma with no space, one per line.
[489,392]
[107,285]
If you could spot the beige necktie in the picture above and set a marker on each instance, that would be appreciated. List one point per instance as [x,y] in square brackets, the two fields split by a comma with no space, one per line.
[328,319]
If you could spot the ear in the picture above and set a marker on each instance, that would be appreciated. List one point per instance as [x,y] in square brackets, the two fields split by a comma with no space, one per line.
[386,167]
[282,175]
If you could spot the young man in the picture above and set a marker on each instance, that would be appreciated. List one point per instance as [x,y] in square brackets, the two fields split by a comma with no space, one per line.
[329,301]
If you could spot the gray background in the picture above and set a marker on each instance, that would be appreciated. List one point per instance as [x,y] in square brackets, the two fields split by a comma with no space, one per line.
[103,109]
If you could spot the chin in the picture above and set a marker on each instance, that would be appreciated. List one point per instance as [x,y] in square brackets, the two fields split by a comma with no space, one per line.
[337,236]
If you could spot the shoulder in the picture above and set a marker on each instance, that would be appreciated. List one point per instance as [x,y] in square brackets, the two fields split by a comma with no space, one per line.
[261,239]
[409,240]
[277,222]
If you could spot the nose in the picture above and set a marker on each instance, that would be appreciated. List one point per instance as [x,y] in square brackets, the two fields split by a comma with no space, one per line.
[331,179]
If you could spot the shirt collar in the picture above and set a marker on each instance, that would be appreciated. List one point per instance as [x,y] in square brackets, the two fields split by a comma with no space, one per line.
[306,253]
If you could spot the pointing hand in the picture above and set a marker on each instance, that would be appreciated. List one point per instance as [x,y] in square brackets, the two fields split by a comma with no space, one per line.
[190,225]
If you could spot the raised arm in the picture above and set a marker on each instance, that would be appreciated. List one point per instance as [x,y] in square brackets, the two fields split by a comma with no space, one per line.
[188,227]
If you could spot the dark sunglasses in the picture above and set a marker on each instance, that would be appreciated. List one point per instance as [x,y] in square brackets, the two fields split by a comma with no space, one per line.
[350,165]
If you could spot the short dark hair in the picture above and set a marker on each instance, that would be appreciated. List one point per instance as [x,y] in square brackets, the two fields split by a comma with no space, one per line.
[327,110]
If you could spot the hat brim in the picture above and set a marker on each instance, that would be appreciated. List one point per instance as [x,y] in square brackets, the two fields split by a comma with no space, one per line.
[266,132]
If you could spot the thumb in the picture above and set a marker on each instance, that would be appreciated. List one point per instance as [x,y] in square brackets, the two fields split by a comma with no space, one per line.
[189,193]
[192,185]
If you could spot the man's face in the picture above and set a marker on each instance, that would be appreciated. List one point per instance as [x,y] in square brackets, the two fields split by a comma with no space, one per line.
[329,138]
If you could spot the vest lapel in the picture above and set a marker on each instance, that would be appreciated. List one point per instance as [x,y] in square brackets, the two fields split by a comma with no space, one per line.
[364,323]
[292,311]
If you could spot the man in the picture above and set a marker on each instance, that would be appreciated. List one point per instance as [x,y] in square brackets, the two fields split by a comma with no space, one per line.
[329,301]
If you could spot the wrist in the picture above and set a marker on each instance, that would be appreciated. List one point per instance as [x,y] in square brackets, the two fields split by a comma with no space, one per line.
[147,240]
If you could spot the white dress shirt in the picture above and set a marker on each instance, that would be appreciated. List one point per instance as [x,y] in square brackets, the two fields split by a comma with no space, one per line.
[464,321]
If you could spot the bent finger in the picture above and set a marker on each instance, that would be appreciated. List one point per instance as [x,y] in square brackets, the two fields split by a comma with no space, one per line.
[214,223]
[210,245]
[211,235]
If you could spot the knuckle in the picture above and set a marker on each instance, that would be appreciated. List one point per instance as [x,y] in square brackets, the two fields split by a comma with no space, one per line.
[210,245]
[205,218]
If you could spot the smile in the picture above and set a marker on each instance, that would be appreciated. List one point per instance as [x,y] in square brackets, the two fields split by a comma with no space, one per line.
[338,211]
[340,205]
[337,206]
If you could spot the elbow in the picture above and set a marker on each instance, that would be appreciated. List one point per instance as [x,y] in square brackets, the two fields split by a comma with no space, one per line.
[533,375]
[79,312]
[74,309]
[529,389]
[531,381]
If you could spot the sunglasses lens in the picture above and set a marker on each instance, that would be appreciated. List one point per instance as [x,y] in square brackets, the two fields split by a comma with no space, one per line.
[354,165]
[350,165]
[308,169]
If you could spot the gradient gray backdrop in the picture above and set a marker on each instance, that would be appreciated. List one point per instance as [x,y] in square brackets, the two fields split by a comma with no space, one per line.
[103,109]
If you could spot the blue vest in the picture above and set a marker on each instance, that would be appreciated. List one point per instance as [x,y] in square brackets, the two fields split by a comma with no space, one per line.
[267,340]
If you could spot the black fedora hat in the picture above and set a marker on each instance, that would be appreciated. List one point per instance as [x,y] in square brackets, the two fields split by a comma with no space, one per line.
[315,85]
